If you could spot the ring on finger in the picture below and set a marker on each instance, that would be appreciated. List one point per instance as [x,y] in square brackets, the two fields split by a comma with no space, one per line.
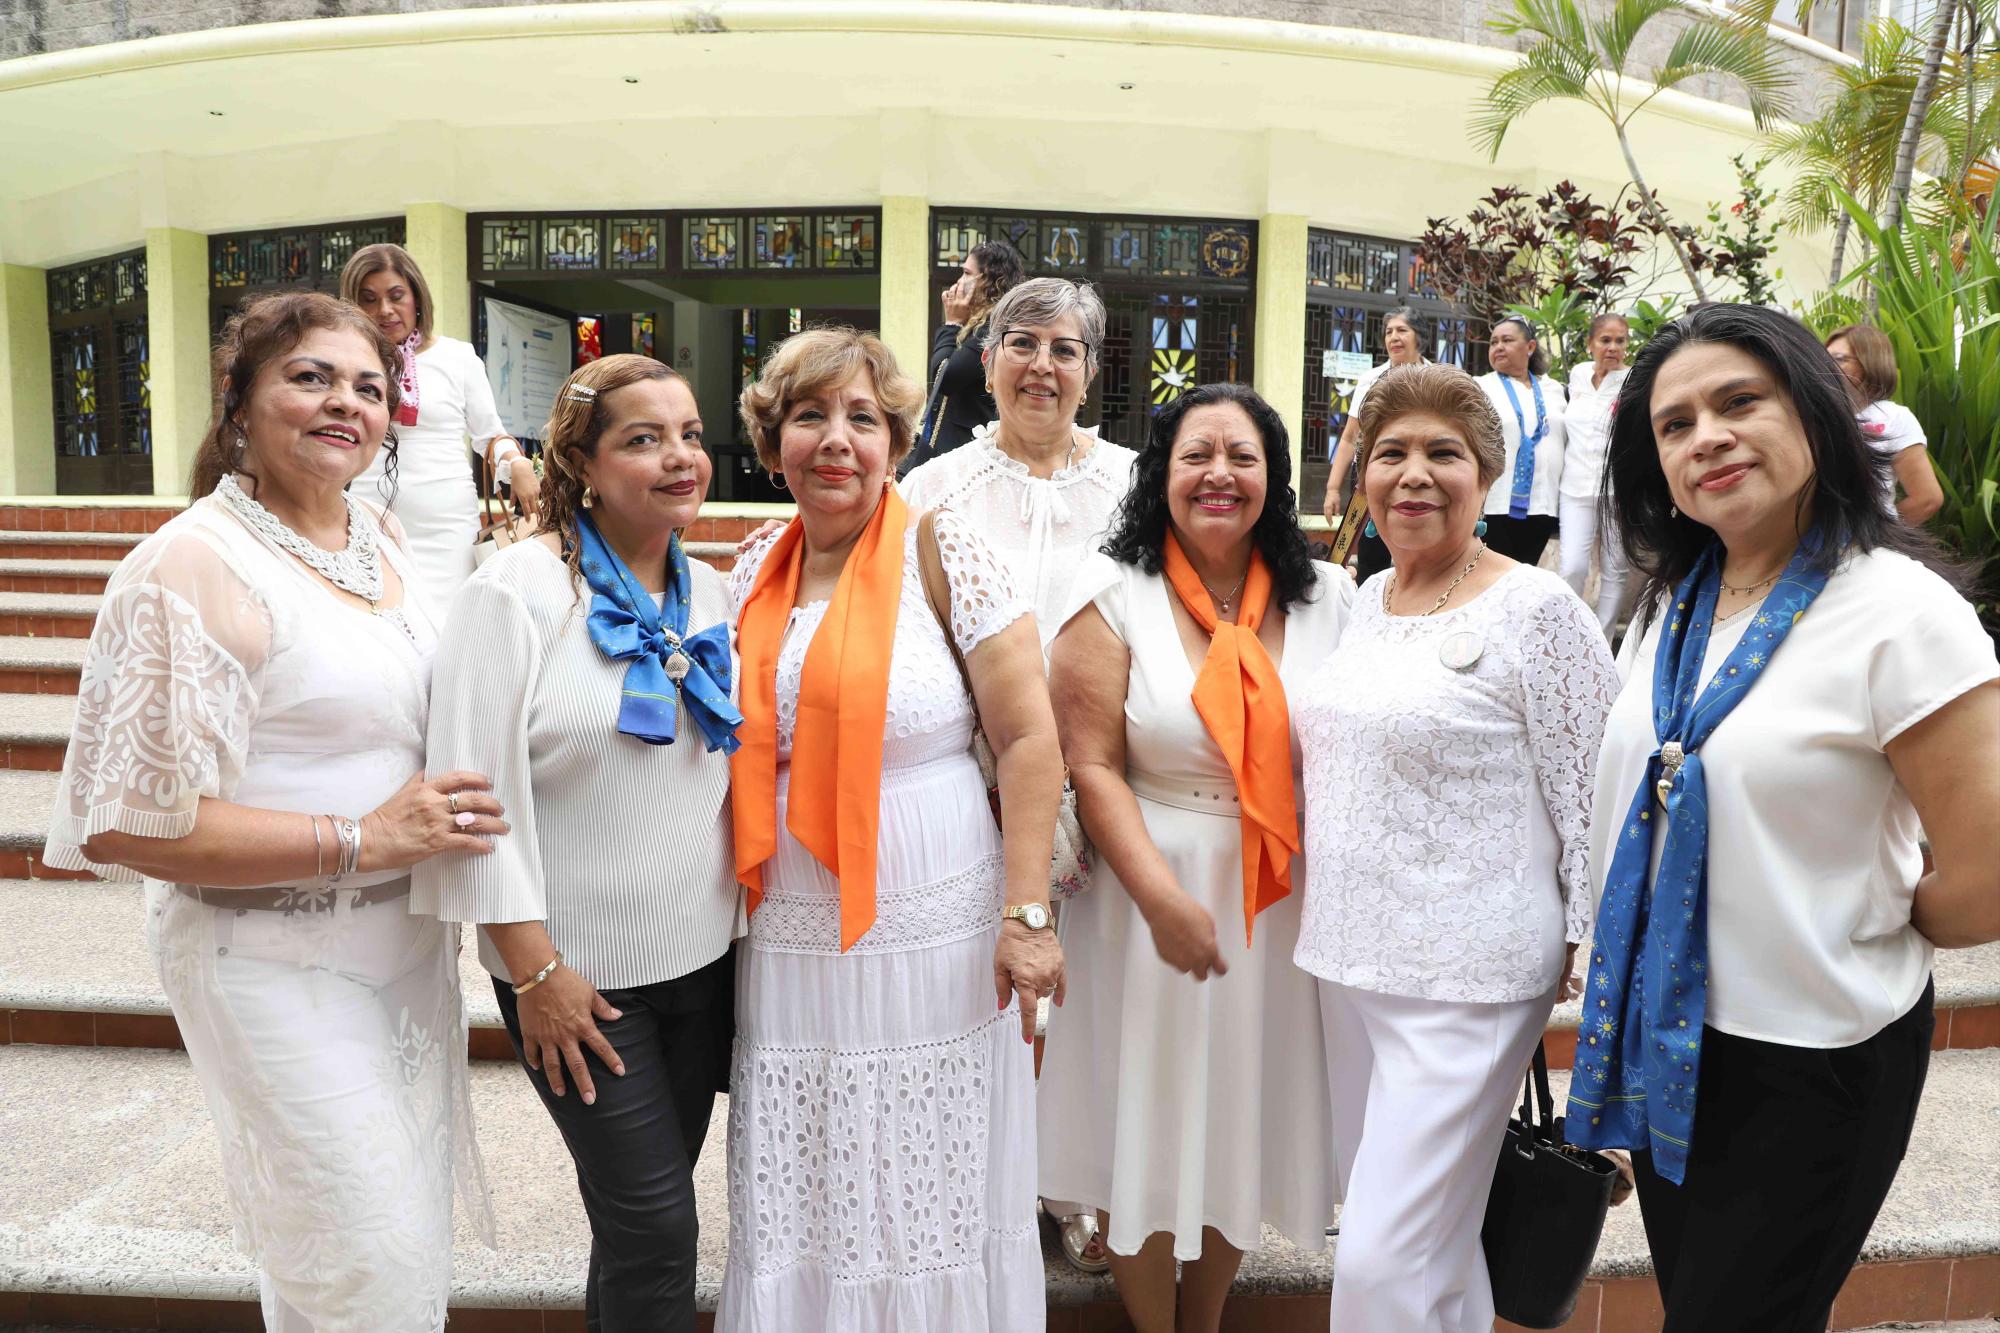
[451,801]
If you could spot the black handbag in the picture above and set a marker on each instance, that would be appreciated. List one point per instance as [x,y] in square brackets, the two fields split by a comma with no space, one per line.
[1545,1214]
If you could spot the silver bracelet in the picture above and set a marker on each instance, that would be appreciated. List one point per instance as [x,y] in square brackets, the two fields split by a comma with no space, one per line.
[343,830]
[350,841]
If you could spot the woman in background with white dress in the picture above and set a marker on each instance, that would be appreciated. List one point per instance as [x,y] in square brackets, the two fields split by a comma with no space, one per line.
[1525,499]
[1183,1086]
[1593,394]
[445,401]
[1404,347]
[250,741]
[1449,745]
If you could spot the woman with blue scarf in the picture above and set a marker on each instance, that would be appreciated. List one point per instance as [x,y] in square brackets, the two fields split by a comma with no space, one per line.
[1806,693]
[1524,500]
[589,669]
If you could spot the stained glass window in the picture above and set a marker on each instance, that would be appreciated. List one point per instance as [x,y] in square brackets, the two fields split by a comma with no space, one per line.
[1127,247]
[569,244]
[1065,245]
[847,241]
[1176,328]
[643,336]
[128,278]
[337,245]
[507,245]
[76,356]
[135,387]
[101,370]
[712,242]
[280,259]
[225,261]
[1022,234]
[1451,342]
[956,234]
[1177,250]
[1225,251]
[795,319]
[779,241]
[635,243]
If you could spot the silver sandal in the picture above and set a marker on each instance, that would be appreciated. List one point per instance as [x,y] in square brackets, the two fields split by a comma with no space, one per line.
[1076,1231]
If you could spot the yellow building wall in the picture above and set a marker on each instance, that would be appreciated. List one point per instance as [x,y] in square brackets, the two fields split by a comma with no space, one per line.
[177,325]
[27,397]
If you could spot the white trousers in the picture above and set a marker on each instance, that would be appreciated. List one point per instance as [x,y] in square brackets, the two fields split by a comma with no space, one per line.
[1579,539]
[1421,1091]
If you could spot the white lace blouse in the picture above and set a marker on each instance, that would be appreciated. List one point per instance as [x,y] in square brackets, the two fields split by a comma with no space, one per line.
[1447,811]
[1044,527]
[220,667]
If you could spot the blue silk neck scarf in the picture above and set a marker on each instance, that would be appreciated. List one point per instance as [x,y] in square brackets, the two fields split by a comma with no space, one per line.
[1524,458]
[1638,1052]
[668,668]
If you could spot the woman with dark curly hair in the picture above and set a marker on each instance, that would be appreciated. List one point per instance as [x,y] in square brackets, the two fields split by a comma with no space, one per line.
[961,392]
[1449,746]
[1183,1091]
[1807,693]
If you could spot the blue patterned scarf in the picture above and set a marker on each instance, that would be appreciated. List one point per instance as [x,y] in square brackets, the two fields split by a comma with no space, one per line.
[668,668]
[1638,1053]
[1524,457]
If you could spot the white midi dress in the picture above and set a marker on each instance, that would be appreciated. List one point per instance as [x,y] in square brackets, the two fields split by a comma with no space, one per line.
[1174,1104]
[434,494]
[327,1033]
[881,1109]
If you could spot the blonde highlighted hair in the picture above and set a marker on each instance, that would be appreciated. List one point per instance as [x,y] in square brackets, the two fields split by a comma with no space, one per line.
[369,260]
[1444,391]
[576,424]
[815,362]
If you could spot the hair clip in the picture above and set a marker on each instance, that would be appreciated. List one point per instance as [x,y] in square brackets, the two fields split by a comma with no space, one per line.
[582,393]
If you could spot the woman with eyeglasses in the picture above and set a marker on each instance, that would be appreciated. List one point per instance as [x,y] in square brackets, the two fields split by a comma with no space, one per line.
[1042,491]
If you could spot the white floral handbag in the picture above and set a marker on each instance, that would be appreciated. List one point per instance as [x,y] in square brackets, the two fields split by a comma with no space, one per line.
[1069,856]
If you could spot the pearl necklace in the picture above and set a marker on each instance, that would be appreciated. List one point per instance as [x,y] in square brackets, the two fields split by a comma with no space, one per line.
[356,570]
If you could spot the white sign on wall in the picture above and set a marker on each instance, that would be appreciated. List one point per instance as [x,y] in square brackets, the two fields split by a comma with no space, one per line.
[1345,365]
[527,360]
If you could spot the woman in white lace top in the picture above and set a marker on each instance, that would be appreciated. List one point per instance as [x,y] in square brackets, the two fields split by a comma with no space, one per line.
[258,663]
[1449,745]
[1038,487]
[881,1109]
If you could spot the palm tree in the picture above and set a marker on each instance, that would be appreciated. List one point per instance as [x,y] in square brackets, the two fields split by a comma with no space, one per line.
[1589,60]
[1920,105]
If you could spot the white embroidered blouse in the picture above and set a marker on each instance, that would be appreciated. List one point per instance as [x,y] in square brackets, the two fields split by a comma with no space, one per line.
[1044,527]
[1447,811]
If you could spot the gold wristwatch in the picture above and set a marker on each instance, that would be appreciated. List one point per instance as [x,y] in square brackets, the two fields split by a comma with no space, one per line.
[1035,916]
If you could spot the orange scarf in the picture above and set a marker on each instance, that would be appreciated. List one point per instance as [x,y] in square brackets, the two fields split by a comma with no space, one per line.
[836,790]
[1242,703]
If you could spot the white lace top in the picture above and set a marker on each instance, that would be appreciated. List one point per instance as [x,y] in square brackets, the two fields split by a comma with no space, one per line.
[1447,811]
[221,667]
[1044,526]
[930,714]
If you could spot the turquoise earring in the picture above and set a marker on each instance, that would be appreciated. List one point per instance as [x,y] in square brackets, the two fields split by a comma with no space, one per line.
[1368,528]
[1479,528]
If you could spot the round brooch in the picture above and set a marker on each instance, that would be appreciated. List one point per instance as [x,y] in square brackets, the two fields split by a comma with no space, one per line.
[1461,650]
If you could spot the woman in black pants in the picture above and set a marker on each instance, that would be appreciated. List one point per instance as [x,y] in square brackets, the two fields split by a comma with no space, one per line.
[590,667]
[958,401]
[1757,1013]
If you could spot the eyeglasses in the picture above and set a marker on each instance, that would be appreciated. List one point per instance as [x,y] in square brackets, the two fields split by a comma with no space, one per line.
[1067,353]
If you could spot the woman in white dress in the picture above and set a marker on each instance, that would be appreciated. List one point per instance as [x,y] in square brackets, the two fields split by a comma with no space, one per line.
[881,1109]
[258,663]
[1404,347]
[1525,499]
[427,480]
[1593,394]
[1184,1087]
[1449,746]
[1041,490]
[607,650]
[1867,360]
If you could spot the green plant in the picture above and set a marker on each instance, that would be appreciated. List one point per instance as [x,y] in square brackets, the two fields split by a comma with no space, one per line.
[1562,323]
[1645,319]
[1592,60]
[1938,288]
[1742,240]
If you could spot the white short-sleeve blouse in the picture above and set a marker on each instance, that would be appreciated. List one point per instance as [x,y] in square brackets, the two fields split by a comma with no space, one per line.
[1813,854]
[1545,490]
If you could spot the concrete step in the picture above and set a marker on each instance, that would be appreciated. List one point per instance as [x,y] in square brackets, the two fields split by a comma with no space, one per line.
[59,615]
[67,545]
[41,574]
[26,799]
[113,1215]
[40,665]
[35,728]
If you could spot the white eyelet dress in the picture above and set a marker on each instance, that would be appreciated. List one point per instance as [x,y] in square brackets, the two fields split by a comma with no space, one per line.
[881,1110]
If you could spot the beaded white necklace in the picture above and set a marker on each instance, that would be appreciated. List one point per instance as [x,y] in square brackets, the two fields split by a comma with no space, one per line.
[356,570]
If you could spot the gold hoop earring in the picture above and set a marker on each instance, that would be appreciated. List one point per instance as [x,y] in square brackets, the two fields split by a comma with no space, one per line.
[778,480]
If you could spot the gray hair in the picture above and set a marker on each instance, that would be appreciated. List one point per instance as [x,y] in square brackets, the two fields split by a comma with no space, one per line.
[1409,318]
[1040,302]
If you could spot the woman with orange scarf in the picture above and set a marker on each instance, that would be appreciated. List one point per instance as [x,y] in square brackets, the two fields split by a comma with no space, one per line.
[1185,1088]
[881,1109]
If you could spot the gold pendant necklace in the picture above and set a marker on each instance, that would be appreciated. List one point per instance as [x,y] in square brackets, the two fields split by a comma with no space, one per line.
[1389,594]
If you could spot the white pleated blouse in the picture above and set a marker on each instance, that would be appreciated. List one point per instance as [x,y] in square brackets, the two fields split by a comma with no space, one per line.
[623,849]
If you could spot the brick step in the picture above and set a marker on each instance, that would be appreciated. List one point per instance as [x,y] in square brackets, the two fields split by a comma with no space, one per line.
[37,574]
[114,1216]
[31,665]
[68,545]
[26,799]
[56,615]
[102,514]
[35,728]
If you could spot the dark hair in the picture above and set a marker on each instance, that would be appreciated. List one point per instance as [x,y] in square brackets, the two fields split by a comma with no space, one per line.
[1538,360]
[1139,530]
[1000,270]
[265,328]
[1602,318]
[1848,479]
